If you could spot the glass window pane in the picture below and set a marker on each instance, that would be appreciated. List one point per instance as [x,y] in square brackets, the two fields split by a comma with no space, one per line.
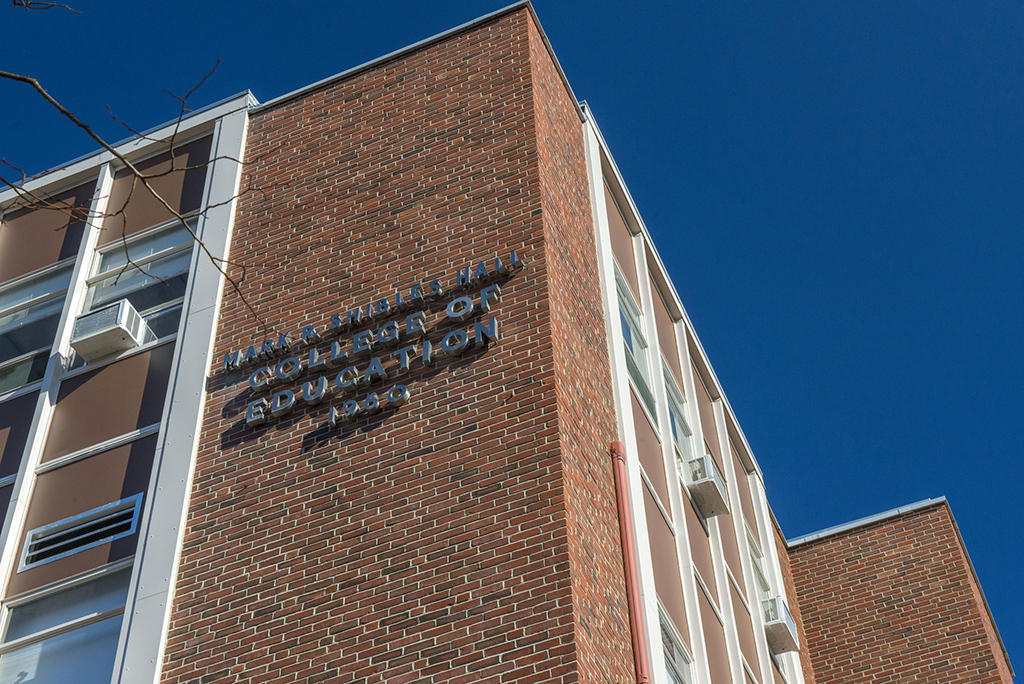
[106,593]
[163,281]
[23,372]
[29,329]
[140,249]
[164,323]
[627,332]
[37,287]
[83,656]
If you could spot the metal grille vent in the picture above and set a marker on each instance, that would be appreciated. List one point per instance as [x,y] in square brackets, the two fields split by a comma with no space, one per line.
[80,532]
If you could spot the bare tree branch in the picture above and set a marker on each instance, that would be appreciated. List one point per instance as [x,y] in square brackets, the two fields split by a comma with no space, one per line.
[138,177]
[37,4]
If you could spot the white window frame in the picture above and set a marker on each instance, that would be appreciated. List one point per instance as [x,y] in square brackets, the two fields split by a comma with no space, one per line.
[677,406]
[140,264]
[668,629]
[69,626]
[757,560]
[631,313]
[39,299]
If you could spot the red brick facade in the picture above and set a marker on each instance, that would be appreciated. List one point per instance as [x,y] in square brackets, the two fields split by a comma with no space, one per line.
[440,541]
[895,601]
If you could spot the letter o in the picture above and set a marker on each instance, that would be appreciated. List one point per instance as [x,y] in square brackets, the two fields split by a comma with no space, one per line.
[282,374]
[460,308]
[455,342]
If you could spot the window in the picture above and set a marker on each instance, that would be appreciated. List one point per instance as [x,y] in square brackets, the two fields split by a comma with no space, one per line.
[678,425]
[68,635]
[30,311]
[154,280]
[764,589]
[633,339]
[677,660]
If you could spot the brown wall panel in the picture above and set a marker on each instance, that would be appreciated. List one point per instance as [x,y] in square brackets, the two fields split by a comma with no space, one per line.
[181,188]
[730,547]
[110,401]
[666,566]
[32,238]
[15,418]
[776,675]
[707,421]
[700,545]
[744,628]
[666,335]
[649,447]
[746,498]
[714,639]
[79,487]
[622,243]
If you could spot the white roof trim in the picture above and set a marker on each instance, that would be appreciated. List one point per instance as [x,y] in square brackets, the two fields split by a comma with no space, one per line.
[863,522]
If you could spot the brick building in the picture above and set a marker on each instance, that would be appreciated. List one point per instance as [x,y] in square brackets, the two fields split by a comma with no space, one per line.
[440,415]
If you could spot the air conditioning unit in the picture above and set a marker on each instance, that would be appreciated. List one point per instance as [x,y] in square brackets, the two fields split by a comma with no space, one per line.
[779,625]
[107,331]
[707,486]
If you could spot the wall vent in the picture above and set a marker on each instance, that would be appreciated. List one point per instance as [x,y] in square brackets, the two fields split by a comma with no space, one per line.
[80,532]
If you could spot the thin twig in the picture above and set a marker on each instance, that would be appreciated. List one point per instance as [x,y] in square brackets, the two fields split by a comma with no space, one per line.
[217,262]
[37,4]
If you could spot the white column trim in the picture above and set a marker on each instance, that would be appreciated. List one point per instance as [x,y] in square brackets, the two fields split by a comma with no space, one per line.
[624,414]
[144,632]
[732,641]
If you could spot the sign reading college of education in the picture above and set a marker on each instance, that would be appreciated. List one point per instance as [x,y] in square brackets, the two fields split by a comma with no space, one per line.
[359,365]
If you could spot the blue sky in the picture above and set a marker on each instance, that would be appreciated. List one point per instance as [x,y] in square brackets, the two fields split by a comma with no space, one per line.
[837,188]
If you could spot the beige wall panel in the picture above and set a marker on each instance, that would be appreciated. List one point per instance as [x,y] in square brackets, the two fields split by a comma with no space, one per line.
[15,419]
[78,487]
[744,629]
[730,547]
[110,401]
[700,545]
[33,238]
[714,639]
[649,448]
[622,243]
[181,188]
[666,335]
[746,498]
[707,421]
[666,566]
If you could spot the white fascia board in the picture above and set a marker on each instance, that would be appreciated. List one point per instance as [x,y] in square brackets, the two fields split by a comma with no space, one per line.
[663,273]
[85,166]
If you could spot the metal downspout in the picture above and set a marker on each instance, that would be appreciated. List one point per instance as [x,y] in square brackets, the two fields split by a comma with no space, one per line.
[636,622]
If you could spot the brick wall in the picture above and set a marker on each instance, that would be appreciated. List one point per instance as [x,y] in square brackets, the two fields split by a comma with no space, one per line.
[468,535]
[896,601]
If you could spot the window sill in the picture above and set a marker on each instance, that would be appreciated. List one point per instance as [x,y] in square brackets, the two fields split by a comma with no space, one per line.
[119,357]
